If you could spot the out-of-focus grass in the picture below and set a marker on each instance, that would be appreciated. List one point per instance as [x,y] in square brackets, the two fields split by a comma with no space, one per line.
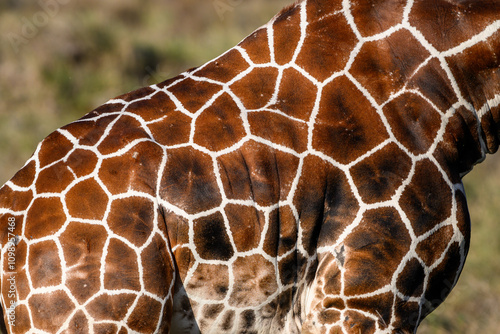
[88,52]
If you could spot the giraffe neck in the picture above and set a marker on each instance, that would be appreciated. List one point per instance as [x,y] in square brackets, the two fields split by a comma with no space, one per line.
[463,64]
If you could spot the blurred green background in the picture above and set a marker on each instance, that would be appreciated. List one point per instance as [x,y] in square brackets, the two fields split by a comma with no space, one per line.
[59,59]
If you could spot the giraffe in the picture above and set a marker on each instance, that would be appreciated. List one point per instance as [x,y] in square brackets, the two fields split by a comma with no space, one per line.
[308,180]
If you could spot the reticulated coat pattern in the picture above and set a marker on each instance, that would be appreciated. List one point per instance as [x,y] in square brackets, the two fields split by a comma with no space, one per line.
[306,181]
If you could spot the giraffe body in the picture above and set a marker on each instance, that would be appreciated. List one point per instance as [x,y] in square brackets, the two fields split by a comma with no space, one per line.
[306,181]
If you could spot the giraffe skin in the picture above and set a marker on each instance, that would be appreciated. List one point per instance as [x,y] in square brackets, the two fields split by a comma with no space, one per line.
[306,181]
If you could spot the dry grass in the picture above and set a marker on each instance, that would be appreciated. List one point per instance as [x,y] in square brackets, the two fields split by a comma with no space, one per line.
[88,52]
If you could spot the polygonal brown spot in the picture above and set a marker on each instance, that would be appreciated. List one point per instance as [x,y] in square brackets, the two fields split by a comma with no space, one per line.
[427,200]
[384,66]
[15,200]
[79,324]
[211,238]
[185,260]
[432,81]
[123,132]
[54,147]
[411,280]
[22,320]
[336,330]
[347,125]
[279,129]
[257,47]
[105,328]
[489,126]
[319,8]
[327,46]
[25,176]
[22,284]
[374,250]
[87,200]
[407,315]
[121,269]
[287,33]
[110,307]
[136,169]
[443,278]
[220,125]
[157,267]
[325,203]
[173,129]
[258,172]
[413,121]
[145,316]
[189,181]
[272,237]
[225,67]
[54,179]
[328,316]
[15,260]
[356,323]
[432,248]
[288,269]
[52,310]
[132,218]
[246,224]
[447,24]
[380,306]
[45,264]
[227,320]
[13,228]
[153,107]
[45,217]
[247,322]
[460,148]
[194,94]
[254,281]
[82,162]
[378,177]
[288,230]
[209,282]
[257,87]
[374,16]
[335,302]
[296,96]
[475,70]
[82,240]
[82,246]
[210,313]
[90,132]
